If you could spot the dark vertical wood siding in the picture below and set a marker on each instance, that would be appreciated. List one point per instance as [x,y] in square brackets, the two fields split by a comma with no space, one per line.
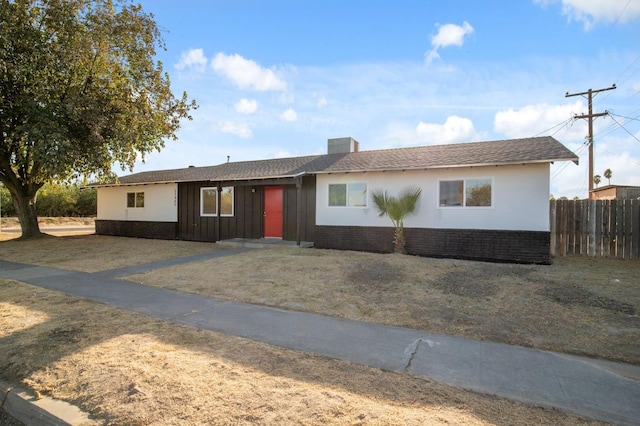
[247,221]
[308,217]
[191,226]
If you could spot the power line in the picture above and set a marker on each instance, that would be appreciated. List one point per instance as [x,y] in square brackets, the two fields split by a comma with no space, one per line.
[618,18]
[626,69]
[626,118]
[616,126]
[560,125]
[623,128]
[607,131]
[566,164]
[629,159]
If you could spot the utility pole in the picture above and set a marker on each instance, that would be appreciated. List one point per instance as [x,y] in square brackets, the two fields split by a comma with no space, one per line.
[590,116]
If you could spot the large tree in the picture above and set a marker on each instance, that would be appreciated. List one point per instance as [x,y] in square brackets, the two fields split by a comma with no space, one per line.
[81,90]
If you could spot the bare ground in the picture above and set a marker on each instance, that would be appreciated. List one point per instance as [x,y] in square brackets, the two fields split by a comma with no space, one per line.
[126,368]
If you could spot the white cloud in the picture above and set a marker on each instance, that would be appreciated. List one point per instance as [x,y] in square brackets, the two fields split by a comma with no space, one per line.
[241,130]
[448,35]
[322,102]
[454,129]
[591,11]
[246,73]
[289,115]
[531,120]
[283,154]
[193,59]
[246,106]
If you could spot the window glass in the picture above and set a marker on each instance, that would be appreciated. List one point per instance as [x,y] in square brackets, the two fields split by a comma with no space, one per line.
[208,202]
[348,194]
[226,201]
[337,194]
[357,194]
[478,192]
[465,193]
[451,192]
[135,200]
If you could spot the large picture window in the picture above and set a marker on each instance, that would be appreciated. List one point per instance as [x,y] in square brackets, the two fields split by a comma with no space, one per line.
[209,201]
[465,193]
[135,200]
[348,194]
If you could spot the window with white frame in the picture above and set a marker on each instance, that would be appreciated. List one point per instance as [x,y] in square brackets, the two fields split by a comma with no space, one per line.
[209,201]
[135,200]
[348,194]
[465,193]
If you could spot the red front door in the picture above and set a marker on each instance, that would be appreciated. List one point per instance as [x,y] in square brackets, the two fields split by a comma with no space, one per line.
[273,212]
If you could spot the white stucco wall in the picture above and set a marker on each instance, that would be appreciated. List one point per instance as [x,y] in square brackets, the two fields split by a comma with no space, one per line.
[160,203]
[520,199]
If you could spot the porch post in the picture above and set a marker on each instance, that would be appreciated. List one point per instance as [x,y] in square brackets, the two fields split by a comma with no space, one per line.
[298,208]
[219,209]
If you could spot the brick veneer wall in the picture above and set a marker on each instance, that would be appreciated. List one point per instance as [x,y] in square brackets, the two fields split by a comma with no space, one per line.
[138,229]
[473,244]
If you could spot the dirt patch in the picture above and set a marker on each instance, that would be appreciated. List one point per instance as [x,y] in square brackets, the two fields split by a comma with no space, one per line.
[374,275]
[572,295]
[464,282]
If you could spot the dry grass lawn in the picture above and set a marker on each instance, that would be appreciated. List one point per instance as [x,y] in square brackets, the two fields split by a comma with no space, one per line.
[580,306]
[125,368]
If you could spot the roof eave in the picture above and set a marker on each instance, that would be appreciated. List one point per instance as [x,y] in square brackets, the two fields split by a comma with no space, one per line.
[287,176]
[447,166]
[364,170]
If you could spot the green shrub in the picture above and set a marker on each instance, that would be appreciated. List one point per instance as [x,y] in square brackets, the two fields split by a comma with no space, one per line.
[57,200]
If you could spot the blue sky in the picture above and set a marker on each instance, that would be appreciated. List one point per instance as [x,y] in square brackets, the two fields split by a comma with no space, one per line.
[278,78]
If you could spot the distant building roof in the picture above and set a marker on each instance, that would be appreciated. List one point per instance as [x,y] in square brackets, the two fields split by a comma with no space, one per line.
[503,152]
[615,192]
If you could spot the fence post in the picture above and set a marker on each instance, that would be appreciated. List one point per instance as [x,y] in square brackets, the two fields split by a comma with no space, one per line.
[635,228]
[592,228]
[620,229]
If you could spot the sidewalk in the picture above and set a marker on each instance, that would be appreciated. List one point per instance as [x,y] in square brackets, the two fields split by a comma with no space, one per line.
[597,389]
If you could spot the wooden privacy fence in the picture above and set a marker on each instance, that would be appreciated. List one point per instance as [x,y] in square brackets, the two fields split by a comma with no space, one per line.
[595,228]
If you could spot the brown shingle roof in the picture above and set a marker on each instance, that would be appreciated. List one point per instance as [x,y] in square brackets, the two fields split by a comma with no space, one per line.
[514,151]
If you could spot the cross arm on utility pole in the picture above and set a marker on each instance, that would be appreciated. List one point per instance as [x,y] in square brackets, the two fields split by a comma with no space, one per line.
[600,114]
[590,92]
[590,116]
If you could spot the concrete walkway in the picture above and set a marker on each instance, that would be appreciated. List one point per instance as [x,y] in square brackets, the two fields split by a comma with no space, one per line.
[596,389]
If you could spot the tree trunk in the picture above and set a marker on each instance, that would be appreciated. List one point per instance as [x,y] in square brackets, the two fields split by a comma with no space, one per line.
[398,240]
[25,205]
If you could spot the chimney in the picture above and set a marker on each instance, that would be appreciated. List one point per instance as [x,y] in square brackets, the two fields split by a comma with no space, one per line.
[342,145]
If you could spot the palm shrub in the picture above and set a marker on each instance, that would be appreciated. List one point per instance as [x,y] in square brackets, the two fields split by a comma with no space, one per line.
[406,204]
